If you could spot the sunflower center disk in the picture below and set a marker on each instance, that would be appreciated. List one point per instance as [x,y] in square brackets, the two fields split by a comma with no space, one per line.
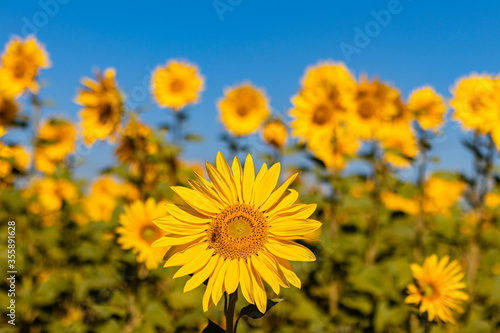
[321,115]
[148,234]
[238,232]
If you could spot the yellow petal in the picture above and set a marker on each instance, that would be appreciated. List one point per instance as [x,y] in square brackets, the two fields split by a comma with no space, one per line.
[266,273]
[289,250]
[259,292]
[248,179]
[219,275]
[172,225]
[246,281]
[195,263]
[196,200]
[277,194]
[232,276]
[200,277]
[171,240]
[266,186]
[238,179]
[186,213]
[294,227]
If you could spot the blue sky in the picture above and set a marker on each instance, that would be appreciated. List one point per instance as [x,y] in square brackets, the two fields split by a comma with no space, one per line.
[267,43]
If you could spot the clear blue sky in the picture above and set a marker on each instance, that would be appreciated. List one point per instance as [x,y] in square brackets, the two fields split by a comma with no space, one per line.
[268,43]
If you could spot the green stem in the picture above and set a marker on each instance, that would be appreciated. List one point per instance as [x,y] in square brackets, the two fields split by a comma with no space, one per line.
[229,312]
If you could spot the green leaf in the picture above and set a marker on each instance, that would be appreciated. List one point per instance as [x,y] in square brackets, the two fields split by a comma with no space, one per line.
[253,312]
[213,328]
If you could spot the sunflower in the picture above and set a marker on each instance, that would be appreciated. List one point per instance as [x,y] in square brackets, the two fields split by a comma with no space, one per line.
[274,133]
[135,142]
[21,63]
[103,199]
[176,84]
[56,139]
[235,230]
[475,101]
[334,149]
[12,158]
[137,231]
[103,107]
[376,104]
[400,147]
[398,203]
[327,95]
[53,192]
[243,109]
[8,110]
[441,194]
[437,288]
[428,107]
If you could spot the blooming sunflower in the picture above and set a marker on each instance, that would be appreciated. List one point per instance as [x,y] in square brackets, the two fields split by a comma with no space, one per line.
[437,288]
[137,231]
[56,139]
[328,93]
[475,102]
[176,85]
[102,107]
[235,230]
[135,142]
[376,104]
[243,109]
[21,63]
[274,133]
[8,110]
[398,203]
[428,107]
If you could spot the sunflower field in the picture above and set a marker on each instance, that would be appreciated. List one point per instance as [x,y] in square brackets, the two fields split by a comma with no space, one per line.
[289,238]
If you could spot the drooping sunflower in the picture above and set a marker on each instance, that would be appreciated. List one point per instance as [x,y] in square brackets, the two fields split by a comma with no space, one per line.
[21,63]
[274,133]
[428,107]
[102,107]
[137,231]
[56,139]
[235,230]
[243,109]
[437,288]
[8,110]
[176,84]
[475,102]
[326,96]
[135,142]
[376,104]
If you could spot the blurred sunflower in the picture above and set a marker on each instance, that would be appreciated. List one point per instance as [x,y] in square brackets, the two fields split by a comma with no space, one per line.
[135,142]
[274,133]
[13,158]
[376,103]
[176,85]
[475,102]
[103,199]
[441,194]
[398,203]
[328,93]
[51,193]
[21,63]
[437,288]
[243,109]
[400,147]
[236,230]
[102,107]
[428,107]
[334,150]
[56,139]
[137,231]
[8,110]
